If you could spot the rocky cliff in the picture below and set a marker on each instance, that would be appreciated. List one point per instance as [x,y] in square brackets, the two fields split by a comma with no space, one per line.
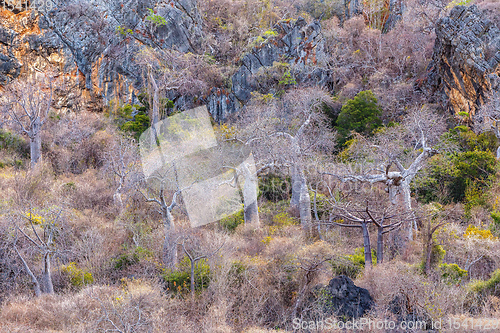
[294,43]
[389,12]
[96,45]
[465,66]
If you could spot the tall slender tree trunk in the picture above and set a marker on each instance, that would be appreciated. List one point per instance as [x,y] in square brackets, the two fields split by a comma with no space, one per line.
[169,243]
[47,276]
[34,280]
[36,142]
[301,200]
[366,244]
[380,245]
[155,110]
[251,209]
[405,187]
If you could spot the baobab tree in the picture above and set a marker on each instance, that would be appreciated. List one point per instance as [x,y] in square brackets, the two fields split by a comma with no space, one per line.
[160,196]
[284,134]
[122,159]
[394,156]
[195,251]
[40,234]
[384,221]
[27,104]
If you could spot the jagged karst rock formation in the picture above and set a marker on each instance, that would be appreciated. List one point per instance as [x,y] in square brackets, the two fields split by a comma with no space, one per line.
[465,66]
[82,39]
[297,43]
[391,11]
[97,45]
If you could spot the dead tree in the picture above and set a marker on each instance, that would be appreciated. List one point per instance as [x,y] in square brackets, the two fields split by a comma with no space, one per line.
[43,242]
[27,104]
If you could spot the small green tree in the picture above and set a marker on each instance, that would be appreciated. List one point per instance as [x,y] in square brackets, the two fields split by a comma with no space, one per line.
[360,114]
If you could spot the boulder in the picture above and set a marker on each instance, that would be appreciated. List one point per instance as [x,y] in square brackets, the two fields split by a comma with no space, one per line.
[464,69]
[344,299]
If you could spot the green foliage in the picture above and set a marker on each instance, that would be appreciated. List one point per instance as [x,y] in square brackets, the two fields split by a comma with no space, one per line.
[459,3]
[352,265]
[489,286]
[452,273]
[360,114]
[157,20]
[179,280]
[77,276]
[322,204]
[437,256]
[132,257]
[274,187]
[134,124]
[231,222]
[14,143]
[124,32]
[495,226]
[461,176]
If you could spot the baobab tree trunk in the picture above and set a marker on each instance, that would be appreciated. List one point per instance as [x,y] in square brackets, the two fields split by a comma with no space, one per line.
[380,245]
[155,111]
[251,210]
[46,276]
[36,142]
[366,244]
[406,192]
[169,244]
[301,201]
[34,280]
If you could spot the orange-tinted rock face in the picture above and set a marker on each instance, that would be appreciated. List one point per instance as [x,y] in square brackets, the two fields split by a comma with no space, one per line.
[465,67]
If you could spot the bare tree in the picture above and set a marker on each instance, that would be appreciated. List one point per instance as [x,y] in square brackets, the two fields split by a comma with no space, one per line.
[122,161]
[362,218]
[170,255]
[195,253]
[41,234]
[382,159]
[27,104]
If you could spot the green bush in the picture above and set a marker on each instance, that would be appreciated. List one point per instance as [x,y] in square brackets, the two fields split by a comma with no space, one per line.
[231,222]
[14,143]
[352,265]
[275,188]
[134,124]
[495,226]
[78,277]
[452,273]
[179,280]
[459,177]
[132,257]
[360,114]
[491,286]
